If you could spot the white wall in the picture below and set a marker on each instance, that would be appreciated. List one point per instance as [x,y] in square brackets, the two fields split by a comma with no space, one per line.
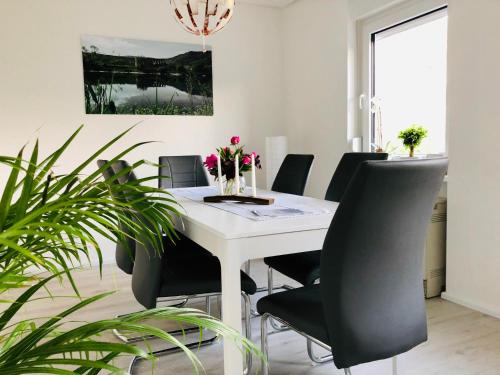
[275,71]
[363,8]
[315,44]
[473,257]
[319,59]
[42,80]
[41,74]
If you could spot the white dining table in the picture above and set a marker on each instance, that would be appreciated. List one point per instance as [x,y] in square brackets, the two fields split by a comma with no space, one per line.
[235,239]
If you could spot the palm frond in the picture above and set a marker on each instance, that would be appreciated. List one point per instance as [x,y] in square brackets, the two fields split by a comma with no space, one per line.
[50,223]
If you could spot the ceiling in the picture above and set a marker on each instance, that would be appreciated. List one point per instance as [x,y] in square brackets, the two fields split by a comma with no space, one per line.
[269,3]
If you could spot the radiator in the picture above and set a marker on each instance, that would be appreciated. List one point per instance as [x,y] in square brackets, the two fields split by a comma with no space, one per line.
[435,252]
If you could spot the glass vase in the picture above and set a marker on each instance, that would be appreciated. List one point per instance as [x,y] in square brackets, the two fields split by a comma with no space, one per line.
[230,186]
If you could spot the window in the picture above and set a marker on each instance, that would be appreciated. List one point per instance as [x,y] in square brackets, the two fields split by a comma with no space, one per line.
[406,82]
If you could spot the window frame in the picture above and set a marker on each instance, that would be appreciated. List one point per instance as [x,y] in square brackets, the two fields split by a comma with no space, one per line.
[406,13]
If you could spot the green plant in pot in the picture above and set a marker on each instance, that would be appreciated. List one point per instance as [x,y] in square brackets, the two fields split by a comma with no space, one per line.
[412,138]
[48,226]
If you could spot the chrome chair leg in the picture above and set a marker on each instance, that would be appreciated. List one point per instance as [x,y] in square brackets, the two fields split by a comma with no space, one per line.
[248,330]
[246,315]
[347,371]
[314,357]
[264,347]
[208,305]
[162,352]
[270,283]
[269,289]
[130,340]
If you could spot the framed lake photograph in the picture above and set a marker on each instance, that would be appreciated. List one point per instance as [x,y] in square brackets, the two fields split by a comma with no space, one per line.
[142,77]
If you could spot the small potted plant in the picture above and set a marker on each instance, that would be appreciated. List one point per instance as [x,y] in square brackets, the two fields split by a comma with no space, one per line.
[412,137]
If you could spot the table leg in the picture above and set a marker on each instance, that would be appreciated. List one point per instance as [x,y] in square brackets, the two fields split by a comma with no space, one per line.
[231,306]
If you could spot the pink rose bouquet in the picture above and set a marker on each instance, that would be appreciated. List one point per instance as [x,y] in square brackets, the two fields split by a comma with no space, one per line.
[227,157]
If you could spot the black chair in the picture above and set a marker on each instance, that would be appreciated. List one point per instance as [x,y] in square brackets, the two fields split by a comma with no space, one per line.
[293,174]
[125,246]
[291,179]
[370,303]
[160,278]
[181,171]
[174,276]
[304,267]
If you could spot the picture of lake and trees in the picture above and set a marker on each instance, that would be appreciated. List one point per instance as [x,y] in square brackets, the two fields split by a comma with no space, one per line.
[126,76]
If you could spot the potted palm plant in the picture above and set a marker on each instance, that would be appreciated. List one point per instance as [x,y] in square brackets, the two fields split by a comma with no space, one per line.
[48,223]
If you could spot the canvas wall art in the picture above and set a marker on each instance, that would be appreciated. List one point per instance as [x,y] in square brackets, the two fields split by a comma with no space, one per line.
[142,77]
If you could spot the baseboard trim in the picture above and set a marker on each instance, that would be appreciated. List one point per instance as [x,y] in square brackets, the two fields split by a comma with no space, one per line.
[474,306]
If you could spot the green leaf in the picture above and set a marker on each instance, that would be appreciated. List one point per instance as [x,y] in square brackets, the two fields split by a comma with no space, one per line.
[22,203]
[8,314]
[9,190]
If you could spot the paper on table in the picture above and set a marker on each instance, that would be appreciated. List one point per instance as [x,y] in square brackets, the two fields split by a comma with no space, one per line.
[286,206]
[280,212]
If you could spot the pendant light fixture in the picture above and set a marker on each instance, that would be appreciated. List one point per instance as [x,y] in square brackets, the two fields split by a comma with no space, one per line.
[202,17]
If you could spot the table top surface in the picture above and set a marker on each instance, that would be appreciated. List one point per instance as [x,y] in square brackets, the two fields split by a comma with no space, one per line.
[228,225]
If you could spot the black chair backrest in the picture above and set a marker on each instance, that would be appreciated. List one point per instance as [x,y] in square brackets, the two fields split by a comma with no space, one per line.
[148,274]
[123,177]
[125,247]
[147,270]
[345,170]
[182,171]
[372,260]
[293,174]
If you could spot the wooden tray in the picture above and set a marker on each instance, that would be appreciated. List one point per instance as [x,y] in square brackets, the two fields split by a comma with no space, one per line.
[239,198]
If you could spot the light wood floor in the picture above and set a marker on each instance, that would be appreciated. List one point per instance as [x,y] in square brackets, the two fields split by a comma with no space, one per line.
[461,341]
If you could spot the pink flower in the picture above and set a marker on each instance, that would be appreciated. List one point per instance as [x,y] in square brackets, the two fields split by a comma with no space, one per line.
[246,160]
[235,140]
[211,161]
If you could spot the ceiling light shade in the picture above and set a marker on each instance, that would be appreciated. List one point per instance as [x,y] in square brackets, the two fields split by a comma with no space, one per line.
[202,17]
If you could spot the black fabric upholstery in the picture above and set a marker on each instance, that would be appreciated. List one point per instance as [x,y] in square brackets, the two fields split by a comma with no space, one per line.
[182,171]
[304,267]
[293,174]
[302,308]
[188,278]
[371,263]
[185,249]
[125,246]
[188,250]
[156,275]
[301,267]
[346,168]
[183,268]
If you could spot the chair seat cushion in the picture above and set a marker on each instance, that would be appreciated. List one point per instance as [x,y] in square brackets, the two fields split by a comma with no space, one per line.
[302,308]
[197,276]
[184,249]
[301,267]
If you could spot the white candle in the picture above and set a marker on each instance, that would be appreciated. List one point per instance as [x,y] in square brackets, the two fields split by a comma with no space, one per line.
[237,174]
[219,175]
[254,184]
